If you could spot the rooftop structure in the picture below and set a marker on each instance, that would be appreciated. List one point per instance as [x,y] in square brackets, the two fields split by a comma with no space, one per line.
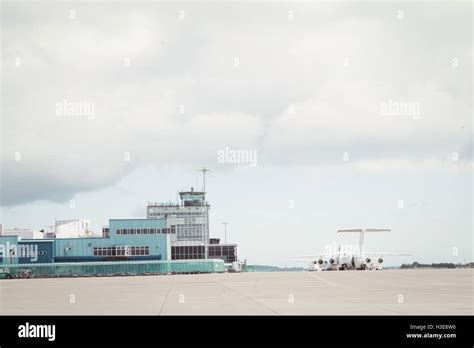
[190,215]
[170,232]
[25,233]
[73,228]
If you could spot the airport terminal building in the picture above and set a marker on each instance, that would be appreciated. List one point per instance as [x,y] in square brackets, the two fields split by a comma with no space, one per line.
[131,239]
[190,216]
[172,239]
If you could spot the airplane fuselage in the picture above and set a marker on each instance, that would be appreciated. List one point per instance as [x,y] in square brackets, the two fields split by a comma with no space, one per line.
[346,262]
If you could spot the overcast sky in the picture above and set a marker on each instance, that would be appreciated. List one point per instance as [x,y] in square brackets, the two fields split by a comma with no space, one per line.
[303,86]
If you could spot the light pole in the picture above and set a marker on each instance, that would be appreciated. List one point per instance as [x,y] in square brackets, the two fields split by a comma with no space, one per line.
[225,223]
[204,206]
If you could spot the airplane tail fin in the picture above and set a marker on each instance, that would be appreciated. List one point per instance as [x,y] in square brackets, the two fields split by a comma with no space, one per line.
[362,234]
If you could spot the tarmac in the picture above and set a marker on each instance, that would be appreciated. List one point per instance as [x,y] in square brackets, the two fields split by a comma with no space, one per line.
[385,292]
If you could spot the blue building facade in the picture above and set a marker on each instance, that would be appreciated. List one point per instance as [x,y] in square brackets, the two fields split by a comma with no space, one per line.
[8,250]
[36,251]
[129,240]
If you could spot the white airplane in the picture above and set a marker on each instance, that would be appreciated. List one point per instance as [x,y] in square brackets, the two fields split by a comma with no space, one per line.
[352,259]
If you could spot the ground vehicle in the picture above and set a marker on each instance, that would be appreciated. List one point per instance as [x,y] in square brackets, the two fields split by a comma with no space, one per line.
[5,274]
[24,274]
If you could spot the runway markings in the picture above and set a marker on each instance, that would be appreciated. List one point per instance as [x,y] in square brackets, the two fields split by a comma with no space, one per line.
[322,279]
[248,297]
[341,292]
[166,298]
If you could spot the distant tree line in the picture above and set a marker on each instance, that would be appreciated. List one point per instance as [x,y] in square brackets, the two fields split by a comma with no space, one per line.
[436,265]
[264,268]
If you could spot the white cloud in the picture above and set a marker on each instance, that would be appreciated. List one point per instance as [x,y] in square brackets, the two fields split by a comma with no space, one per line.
[346,117]
[189,63]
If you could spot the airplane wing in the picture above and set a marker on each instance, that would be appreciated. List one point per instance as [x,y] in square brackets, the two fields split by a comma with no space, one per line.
[306,258]
[381,253]
[320,256]
[365,230]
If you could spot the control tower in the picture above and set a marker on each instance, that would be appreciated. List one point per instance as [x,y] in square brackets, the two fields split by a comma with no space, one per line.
[191,215]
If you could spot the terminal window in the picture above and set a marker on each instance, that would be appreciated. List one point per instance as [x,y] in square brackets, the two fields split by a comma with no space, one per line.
[122,251]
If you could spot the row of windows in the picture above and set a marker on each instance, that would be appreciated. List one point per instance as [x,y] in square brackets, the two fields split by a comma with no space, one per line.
[188,249]
[175,213]
[185,224]
[227,249]
[227,253]
[25,253]
[226,258]
[190,230]
[122,251]
[190,239]
[188,256]
[168,230]
[188,252]
[192,222]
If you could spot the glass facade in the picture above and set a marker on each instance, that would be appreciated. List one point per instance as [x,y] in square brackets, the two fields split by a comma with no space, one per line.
[116,268]
[188,252]
[192,222]
[226,252]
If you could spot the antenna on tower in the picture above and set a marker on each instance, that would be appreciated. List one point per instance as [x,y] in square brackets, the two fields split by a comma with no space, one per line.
[205,209]
[204,170]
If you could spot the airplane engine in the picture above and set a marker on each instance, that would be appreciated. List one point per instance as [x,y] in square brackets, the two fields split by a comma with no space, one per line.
[320,261]
[380,260]
[359,263]
[368,260]
[331,261]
